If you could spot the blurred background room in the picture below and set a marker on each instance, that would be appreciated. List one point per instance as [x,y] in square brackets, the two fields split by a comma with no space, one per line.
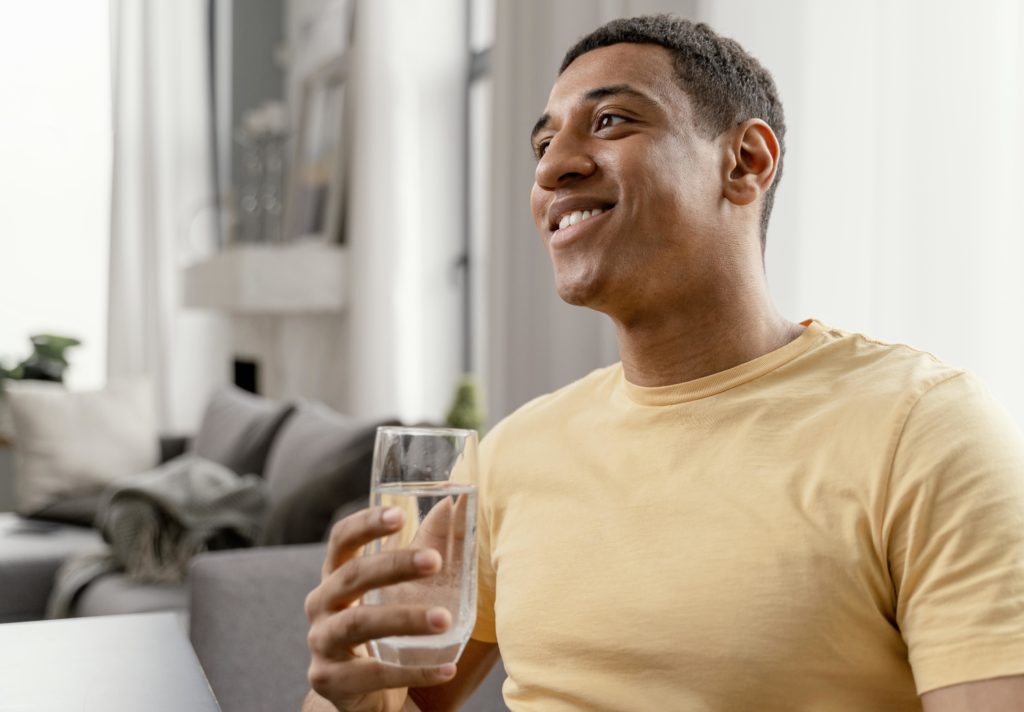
[328,200]
[333,200]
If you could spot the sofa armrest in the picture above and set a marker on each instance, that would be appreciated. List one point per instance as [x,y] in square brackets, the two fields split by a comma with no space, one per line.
[248,624]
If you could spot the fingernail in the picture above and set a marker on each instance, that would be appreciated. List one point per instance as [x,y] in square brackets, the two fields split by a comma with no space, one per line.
[392,516]
[445,671]
[426,560]
[439,618]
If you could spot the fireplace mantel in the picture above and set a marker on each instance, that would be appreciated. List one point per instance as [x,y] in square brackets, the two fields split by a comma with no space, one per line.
[300,278]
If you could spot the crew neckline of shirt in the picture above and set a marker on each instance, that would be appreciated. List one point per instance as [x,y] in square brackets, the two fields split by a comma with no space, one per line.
[724,380]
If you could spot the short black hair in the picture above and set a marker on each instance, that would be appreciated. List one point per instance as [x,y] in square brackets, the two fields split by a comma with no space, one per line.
[726,84]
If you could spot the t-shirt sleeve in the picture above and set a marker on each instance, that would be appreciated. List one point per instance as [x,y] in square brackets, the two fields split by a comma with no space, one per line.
[955,536]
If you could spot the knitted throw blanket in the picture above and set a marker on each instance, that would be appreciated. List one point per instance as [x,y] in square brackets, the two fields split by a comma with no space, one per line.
[155,522]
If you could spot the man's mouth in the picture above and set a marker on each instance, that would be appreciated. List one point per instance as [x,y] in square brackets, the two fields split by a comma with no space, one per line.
[578,216]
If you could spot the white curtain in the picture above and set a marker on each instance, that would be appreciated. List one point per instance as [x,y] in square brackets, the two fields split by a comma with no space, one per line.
[160,207]
[899,211]
[405,219]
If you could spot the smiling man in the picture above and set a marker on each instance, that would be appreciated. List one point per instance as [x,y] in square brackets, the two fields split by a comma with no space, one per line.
[746,512]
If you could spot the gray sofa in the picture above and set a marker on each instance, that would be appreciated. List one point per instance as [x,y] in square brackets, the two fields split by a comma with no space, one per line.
[243,607]
[247,602]
[30,553]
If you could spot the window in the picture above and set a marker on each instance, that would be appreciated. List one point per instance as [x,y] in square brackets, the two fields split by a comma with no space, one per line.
[55,161]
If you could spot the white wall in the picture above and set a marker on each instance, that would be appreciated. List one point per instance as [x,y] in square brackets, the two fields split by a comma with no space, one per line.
[899,211]
[55,179]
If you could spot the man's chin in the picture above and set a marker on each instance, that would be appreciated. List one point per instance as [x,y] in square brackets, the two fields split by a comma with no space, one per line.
[580,292]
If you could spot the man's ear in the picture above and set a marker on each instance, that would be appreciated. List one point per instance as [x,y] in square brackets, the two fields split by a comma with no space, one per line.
[751,161]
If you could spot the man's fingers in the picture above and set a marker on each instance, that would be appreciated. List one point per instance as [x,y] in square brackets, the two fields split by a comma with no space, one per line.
[357,576]
[357,530]
[335,637]
[362,675]
[459,516]
[436,528]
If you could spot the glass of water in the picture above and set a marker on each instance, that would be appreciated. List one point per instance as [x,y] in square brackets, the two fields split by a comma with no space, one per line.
[427,472]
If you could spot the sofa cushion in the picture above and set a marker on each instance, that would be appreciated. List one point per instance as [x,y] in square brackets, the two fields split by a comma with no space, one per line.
[114,594]
[238,428]
[73,443]
[30,554]
[319,463]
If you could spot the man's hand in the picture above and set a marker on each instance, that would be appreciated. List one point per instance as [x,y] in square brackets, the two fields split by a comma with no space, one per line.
[342,671]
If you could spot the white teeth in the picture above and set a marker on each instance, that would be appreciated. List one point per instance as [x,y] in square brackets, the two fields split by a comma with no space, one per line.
[577,216]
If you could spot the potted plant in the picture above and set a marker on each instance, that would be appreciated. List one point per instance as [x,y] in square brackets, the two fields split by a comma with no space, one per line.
[47,362]
[467,409]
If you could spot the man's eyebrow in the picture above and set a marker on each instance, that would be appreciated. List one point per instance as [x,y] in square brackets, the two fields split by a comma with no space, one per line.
[594,95]
[617,90]
[539,126]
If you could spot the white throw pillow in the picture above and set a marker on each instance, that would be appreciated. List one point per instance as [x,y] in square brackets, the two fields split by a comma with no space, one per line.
[73,443]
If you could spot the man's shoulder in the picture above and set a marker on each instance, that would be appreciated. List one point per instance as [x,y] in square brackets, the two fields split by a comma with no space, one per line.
[869,365]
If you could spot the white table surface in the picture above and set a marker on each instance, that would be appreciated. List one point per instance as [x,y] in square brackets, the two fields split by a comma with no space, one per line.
[107,663]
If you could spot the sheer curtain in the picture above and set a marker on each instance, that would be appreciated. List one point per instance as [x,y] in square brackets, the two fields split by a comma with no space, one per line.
[534,342]
[405,211]
[899,212]
[162,188]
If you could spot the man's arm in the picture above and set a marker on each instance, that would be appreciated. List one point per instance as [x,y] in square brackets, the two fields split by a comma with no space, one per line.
[476,662]
[1001,694]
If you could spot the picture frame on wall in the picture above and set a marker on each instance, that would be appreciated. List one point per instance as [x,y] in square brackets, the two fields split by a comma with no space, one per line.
[314,210]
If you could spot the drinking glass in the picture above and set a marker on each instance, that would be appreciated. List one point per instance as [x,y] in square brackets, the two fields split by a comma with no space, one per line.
[428,473]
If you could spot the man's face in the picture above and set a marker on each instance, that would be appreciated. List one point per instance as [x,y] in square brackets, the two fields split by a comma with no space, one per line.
[618,136]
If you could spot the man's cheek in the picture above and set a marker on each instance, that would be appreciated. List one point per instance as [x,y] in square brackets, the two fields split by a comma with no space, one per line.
[537,208]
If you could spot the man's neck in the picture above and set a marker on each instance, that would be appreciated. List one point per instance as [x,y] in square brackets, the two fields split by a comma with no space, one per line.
[684,345]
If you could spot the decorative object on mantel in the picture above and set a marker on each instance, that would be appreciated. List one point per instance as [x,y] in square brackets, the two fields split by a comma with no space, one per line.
[467,409]
[47,362]
[315,205]
[263,137]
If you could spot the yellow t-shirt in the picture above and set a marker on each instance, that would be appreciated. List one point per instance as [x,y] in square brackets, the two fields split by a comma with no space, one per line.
[837,525]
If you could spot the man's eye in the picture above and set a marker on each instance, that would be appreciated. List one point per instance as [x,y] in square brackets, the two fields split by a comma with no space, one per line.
[606,121]
[541,148]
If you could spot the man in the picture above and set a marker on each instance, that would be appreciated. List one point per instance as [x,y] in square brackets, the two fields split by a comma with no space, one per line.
[745,513]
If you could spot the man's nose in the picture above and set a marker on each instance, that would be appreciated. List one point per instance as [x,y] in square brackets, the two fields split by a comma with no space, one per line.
[566,159]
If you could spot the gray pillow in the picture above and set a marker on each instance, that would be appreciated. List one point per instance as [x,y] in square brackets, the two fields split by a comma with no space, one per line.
[238,428]
[319,462]
[309,444]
